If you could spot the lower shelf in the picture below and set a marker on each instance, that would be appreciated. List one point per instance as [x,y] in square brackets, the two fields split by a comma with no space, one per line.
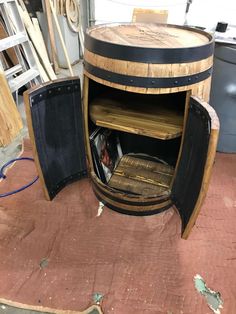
[137,187]
[141,177]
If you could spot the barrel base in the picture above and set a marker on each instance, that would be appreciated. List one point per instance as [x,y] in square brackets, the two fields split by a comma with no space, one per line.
[130,205]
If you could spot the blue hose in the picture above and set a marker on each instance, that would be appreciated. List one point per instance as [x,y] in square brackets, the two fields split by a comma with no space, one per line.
[3,176]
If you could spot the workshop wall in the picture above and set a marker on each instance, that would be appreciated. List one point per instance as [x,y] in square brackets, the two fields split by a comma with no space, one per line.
[201,12]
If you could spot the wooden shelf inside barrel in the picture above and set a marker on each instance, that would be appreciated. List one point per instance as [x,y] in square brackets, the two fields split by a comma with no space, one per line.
[142,177]
[157,120]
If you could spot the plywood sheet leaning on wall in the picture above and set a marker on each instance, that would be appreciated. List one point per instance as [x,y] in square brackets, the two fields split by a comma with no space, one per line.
[10,120]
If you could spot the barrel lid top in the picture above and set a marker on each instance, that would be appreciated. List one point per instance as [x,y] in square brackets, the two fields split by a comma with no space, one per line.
[150,35]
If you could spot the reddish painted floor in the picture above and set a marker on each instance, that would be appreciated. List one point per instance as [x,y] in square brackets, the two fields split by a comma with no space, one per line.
[140,264]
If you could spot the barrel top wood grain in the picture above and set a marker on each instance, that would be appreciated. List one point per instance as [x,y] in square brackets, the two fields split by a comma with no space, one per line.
[149,43]
[149,58]
[149,35]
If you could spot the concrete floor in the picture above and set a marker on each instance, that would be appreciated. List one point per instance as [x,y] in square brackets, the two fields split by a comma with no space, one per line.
[15,148]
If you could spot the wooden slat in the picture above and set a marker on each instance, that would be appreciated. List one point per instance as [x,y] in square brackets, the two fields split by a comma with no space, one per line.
[143,175]
[134,186]
[33,34]
[54,57]
[10,52]
[136,162]
[153,120]
[10,120]
[61,38]
[149,15]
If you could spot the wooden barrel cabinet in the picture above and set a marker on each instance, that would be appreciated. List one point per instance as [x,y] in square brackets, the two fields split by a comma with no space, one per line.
[144,124]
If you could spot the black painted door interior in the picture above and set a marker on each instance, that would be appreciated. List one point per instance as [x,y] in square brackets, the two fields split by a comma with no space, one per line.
[55,121]
[195,163]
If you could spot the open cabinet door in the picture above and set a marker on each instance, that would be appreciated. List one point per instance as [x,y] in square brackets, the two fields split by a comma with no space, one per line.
[195,163]
[55,123]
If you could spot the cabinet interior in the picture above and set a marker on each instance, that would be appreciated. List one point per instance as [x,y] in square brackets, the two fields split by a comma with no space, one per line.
[135,138]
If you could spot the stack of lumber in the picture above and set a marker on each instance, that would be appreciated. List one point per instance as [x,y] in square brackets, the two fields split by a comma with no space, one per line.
[9,117]
[71,10]
[39,49]
[8,57]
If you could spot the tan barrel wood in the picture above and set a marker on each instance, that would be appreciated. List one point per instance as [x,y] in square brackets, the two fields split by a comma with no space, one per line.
[202,89]
[150,36]
[147,69]
[10,119]
[153,35]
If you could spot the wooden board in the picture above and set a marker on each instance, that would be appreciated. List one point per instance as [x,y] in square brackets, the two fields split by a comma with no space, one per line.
[149,35]
[132,160]
[149,15]
[9,52]
[154,120]
[53,51]
[142,177]
[10,120]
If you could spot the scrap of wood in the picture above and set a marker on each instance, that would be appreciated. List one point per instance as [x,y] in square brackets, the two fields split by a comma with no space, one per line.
[149,16]
[61,38]
[42,72]
[10,51]
[35,38]
[10,120]
[54,57]
[40,36]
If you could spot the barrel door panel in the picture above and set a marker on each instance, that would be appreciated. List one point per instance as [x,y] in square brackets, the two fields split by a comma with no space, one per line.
[196,161]
[54,117]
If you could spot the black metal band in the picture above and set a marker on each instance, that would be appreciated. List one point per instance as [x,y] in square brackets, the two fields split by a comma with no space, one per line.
[147,82]
[131,202]
[151,55]
[131,212]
